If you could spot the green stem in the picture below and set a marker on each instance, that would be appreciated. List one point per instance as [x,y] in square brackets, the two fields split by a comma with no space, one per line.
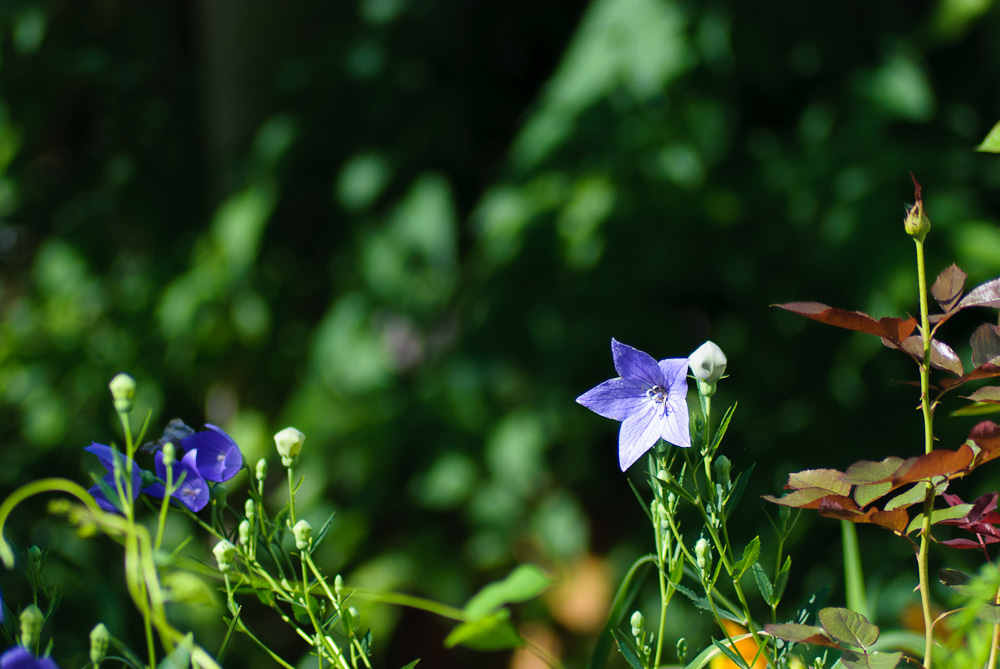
[291,497]
[927,411]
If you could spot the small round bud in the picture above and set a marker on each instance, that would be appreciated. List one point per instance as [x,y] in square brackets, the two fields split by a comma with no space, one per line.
[338,585]
[147,478]
[99,638]
[32,620]
[224,552]
[35,554]
[351,620]
[663,475]
[249,510]
[261,470]
[708,364]
[722,468]
[169,454]
[303,534]
[682,650]
[244,530]
[122,392]
[289,442]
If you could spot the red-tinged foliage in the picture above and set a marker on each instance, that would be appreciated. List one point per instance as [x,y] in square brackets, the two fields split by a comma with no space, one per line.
[947,288]
[894,330]
[985,295]
[986,371]
[981,521]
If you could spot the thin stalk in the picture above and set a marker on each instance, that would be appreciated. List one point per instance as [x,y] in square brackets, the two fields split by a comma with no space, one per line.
[661,550]
[927,410]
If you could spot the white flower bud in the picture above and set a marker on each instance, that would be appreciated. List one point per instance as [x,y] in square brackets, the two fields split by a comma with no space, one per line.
[289,442]
[703,553]
[708,362]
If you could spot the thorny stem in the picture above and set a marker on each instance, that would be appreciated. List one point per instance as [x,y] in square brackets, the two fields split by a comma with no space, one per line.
[927,410]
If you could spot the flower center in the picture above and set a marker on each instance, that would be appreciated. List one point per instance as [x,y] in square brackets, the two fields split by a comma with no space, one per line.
[659,396]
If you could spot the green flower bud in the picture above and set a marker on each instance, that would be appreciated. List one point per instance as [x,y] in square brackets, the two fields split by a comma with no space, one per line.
[338,585]
[682,650]
[224,552]
[249,510]
[35,555]
[638,623]
[351,619]
[244,530]
[148,478]
[169,454]
[703,553]
[722,468]
[32,620]
[261,470]
[122,392]
[916,223]
[289,442]
[303,534]
[99,638]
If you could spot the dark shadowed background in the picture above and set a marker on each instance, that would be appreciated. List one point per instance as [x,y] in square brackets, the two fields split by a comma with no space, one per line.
[411,229]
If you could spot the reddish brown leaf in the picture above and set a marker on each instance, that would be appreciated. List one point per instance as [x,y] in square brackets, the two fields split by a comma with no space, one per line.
[948,287]
[895,520]
[987,394]
[934,465]
[893,329]
[986,436]
[985,295]
[985,344]
[797,633]
[942,355]
[985,371]
[806,498]
[844,508]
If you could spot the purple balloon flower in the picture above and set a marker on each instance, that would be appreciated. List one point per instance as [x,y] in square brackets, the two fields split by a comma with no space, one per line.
[219,458]
[109,458]
[193,491]
[20,657]
[649,398]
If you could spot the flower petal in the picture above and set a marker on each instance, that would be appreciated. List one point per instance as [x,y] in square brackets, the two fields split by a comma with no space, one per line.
[219,458]
[107,457]
[193,491]
[615,398]
[635,366]
[639,432]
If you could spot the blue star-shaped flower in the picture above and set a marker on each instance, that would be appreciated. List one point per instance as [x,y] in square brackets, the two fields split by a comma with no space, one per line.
[20,657]
[193,491]
[111,458]
[649,398]
[219,458]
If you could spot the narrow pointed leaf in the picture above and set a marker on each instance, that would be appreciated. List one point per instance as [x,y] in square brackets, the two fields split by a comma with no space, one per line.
[848,627]
[627,649]
[763,584]
[750,556]
[728,652]
[893,329]
[493,632]
[739,487]
[782,579]
[947,288]
[985,295]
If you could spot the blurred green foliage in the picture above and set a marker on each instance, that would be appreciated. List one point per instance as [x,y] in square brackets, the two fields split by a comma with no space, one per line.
[411,230]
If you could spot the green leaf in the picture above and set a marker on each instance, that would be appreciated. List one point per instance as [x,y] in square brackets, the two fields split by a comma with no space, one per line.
[989,613]
[763,584]
[947,513]
[628,650]
[721,431]
[848,627]
[913,496]
[750,556]
[180,657]
[703,603]
[411,665]
[853,660]
[739,486]
[992,142]
[626,594]
[728,652]
[958,581]
[491,632]
[526,582]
